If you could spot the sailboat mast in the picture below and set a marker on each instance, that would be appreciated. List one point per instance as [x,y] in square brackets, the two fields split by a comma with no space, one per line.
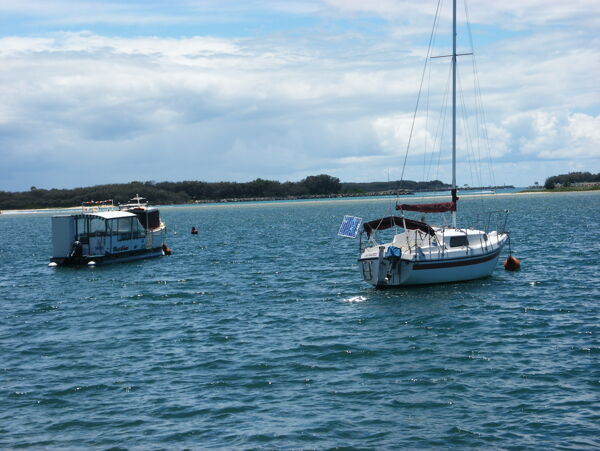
[454,109]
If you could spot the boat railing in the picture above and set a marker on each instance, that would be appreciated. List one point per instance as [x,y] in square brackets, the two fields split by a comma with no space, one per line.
[497,219]
[135,202]
[488,221]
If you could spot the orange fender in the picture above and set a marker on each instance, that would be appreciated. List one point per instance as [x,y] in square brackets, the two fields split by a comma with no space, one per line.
[512,264]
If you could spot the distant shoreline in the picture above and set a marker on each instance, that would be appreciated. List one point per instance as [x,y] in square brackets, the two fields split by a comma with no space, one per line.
[306,197]
[305,200]
[564,190]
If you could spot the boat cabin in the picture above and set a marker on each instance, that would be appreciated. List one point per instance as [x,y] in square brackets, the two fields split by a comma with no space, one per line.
[100,233]
[447,238]
[454,238]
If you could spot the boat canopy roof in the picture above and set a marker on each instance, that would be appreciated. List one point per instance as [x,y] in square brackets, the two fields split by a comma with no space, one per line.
[111,214]
[399,221]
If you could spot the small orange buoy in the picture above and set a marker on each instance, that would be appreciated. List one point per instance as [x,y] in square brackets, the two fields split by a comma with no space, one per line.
[166,249]
[512,264]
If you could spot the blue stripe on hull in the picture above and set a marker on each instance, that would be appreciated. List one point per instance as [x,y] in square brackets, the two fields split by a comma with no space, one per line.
[436,264]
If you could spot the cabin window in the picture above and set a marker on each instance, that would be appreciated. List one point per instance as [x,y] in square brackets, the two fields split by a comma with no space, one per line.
[83,230]
[97,227]
[138,230]
[124,228]
[457,241]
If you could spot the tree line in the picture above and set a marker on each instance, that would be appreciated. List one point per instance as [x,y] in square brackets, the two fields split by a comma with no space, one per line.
[164,193]
[567,180]
[398,185]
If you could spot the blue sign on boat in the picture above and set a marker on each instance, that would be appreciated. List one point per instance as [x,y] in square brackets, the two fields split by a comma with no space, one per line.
[350,226]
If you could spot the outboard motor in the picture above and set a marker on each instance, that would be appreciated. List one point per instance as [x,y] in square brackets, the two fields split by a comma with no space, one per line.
[76,254]
[393,254]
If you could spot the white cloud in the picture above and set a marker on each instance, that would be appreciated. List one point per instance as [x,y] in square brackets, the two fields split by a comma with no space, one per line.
[283,106]
[508,13]
[585,129]
[394,131]
[384,8]
[519,13]
[561,135]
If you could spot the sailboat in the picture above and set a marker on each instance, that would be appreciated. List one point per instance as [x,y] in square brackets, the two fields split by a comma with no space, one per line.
[422,253]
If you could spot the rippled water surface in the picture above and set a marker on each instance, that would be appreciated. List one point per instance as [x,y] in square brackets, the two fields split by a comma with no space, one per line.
[259,333]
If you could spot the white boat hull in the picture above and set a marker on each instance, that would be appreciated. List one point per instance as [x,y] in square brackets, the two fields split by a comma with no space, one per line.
[430,264]
[396,272]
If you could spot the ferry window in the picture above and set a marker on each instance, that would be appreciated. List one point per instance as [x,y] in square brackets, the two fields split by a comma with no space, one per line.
[124,228]
[457,241]
[138,230]
[97,227]
[82,230]
[111,227]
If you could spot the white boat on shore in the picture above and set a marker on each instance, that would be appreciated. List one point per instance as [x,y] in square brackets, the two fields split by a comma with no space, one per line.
[102,233]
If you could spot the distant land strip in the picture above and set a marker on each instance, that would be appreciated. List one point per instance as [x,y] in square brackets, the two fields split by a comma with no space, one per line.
[345,195]
[186,192]
[312,187]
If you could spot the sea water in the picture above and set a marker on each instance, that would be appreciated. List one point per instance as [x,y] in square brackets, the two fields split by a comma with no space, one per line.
[260,333]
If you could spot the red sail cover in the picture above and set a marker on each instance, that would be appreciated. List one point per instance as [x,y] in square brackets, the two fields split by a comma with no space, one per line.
[428,208]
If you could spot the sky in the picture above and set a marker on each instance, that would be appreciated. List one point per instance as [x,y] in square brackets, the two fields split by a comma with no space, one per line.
[100,91]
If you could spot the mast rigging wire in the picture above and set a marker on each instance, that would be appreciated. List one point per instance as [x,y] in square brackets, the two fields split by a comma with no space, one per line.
[479,100]
[473,151]
[435,21]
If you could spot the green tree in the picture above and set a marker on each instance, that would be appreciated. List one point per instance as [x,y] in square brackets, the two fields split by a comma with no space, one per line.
[322,184]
